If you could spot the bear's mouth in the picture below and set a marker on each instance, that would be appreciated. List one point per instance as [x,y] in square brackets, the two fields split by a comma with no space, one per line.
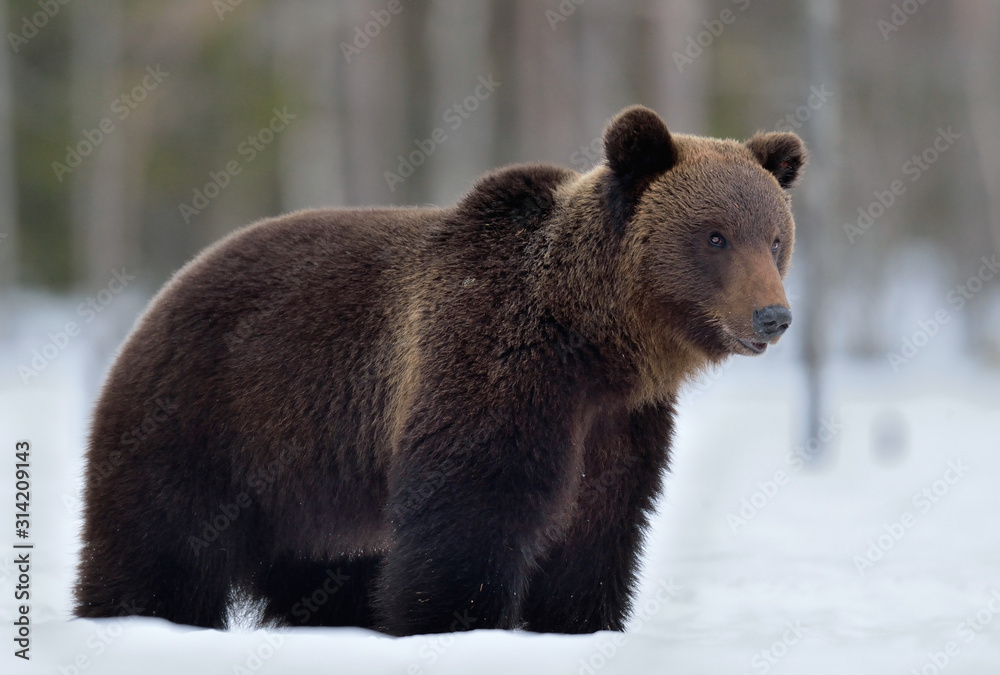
[753,347]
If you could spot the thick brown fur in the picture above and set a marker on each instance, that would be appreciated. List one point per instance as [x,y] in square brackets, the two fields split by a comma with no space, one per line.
[421,420]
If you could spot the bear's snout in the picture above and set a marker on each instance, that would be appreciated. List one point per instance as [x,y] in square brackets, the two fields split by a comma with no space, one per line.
[771,321]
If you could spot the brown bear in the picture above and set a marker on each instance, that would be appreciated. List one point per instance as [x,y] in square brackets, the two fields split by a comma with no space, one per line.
[430,419]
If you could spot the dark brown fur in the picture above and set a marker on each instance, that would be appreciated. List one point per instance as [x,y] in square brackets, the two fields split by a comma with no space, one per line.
[435,419]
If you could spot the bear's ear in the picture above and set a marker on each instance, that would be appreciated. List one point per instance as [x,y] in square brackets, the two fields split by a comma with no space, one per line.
[781,153]
[638,145]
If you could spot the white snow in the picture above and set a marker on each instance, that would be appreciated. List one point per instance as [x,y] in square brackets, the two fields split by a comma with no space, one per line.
[781,594]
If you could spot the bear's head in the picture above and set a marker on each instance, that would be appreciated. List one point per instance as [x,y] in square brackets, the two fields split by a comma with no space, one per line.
[711,229]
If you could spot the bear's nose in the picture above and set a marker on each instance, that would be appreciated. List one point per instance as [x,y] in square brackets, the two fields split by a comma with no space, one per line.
[771,321]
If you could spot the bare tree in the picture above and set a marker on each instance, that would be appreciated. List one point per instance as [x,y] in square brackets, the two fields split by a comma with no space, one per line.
[818,205]
[100,227]
[311,163]
[8,183]
[679,91]
[977,22]
[607,55]
[459,27]
[372,85]
[503,64]
[548,122]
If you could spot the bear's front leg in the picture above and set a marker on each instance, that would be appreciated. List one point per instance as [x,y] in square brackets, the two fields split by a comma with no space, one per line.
[468,507]
[586,581]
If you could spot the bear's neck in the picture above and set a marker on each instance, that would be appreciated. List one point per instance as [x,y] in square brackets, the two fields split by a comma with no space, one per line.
[590,271]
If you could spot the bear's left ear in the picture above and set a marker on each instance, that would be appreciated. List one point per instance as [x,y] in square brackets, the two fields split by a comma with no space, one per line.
[781,153]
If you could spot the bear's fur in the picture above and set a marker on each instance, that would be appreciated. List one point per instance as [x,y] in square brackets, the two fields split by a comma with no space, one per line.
[430,419]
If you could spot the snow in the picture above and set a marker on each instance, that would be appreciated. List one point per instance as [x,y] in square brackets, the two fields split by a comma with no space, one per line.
[908,457]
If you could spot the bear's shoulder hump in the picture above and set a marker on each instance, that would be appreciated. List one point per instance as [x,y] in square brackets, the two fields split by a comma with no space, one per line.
[520,191]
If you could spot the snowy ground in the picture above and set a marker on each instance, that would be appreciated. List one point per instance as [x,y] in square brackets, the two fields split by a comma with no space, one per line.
[884,557]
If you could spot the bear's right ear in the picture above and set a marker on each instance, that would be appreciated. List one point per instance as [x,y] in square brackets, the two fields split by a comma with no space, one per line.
[638,145]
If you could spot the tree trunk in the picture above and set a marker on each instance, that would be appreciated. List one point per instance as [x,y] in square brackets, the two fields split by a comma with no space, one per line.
[8,180]
[456,27]
[977,22]
[818,206]
[311,162]
[548,124]
[679,94]
[100,230]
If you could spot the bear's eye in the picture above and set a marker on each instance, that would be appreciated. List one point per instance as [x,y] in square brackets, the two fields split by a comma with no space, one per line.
[717,240]
[776,246]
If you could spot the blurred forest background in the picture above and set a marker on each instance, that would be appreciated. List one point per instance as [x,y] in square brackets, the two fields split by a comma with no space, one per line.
[407,102]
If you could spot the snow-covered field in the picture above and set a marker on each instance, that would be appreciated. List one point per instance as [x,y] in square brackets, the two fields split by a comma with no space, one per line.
[883,556]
